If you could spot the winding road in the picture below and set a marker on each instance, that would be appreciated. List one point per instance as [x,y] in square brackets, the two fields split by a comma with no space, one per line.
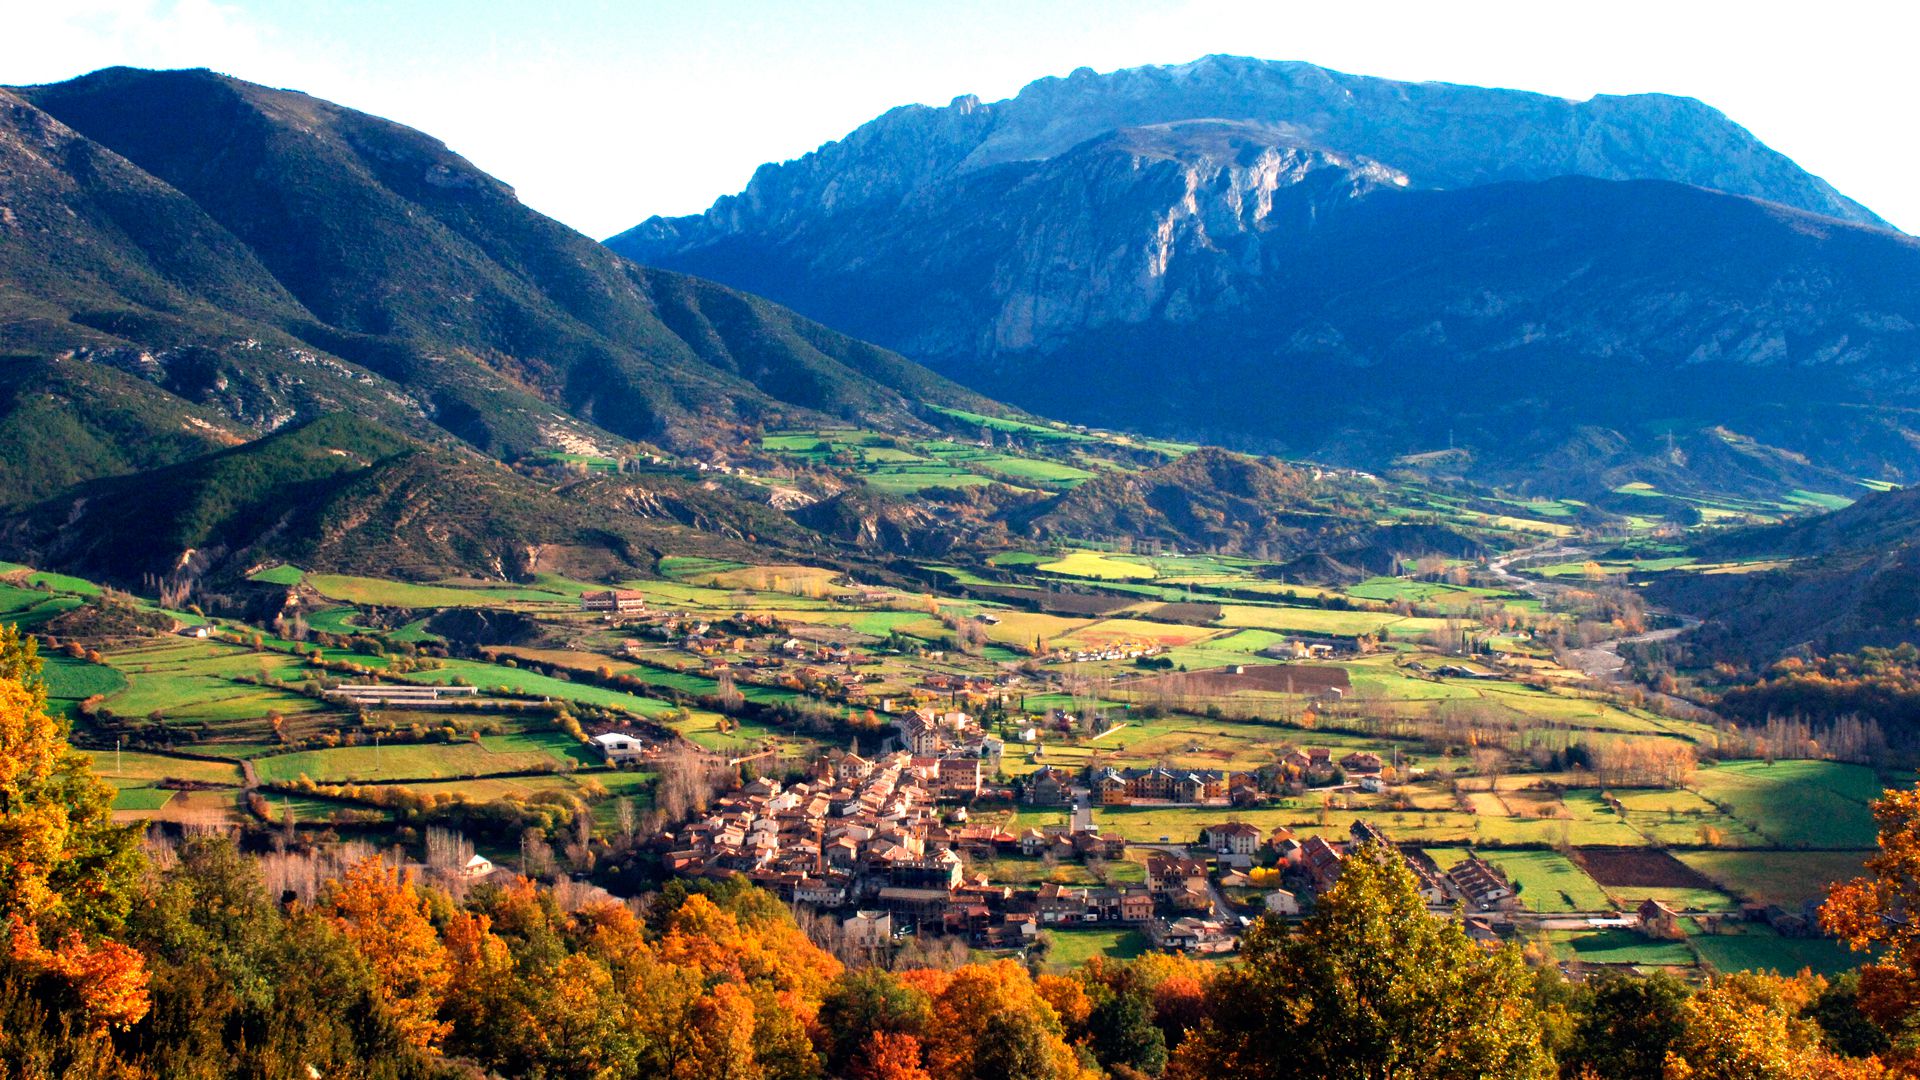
[1601,661]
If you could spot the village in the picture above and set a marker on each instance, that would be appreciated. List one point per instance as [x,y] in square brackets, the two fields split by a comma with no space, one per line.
[889,845]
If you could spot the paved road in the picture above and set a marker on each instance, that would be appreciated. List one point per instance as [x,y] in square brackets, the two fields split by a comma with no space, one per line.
[1082,810]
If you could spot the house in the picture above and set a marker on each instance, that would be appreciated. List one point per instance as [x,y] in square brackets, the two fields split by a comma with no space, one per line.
[1235,842]
[1282,902]
[1657,920]
[959,777]
[1136,904]
[1362,761]
[819,892]
[1322,863]
[868,930]
[618,747]
[1192,935]
[1118,787]
[1167,875]
[1483,884]
[477,866]
[1049,786]
[615,601]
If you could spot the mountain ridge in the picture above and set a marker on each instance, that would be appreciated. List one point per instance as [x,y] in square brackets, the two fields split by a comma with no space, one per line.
[273,257]
[1605,136]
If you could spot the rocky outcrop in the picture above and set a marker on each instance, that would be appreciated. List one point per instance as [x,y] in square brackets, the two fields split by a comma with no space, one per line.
[1440,135]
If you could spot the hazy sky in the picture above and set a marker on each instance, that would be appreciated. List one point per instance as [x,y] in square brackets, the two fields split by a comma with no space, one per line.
[601,113]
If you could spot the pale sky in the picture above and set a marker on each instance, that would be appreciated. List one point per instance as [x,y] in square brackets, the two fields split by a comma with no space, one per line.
[602,112]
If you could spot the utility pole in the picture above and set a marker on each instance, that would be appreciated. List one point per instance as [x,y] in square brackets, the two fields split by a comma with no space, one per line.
[376,752]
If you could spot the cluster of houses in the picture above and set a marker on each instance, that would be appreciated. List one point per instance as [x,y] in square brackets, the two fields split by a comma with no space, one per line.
[871,834]
[1125,651]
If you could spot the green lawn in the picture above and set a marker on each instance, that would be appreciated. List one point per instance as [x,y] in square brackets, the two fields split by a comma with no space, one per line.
[1619,947]
[279,575]
[141,798]
[71,679]
[1073,948]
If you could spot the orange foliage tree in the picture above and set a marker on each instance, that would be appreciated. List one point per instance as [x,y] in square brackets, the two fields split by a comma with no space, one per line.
[66,870]
[378,908]
[1875,913]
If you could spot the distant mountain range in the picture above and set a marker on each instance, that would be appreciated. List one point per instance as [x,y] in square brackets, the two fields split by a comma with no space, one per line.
[1282,257]
[188,261]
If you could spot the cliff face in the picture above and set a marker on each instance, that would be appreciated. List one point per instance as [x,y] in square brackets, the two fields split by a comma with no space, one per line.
[1440,135]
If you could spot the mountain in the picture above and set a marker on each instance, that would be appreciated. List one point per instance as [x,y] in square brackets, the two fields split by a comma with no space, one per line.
[261,257]
[1214,500]
[1842,581]
[339,494]
[1326,265]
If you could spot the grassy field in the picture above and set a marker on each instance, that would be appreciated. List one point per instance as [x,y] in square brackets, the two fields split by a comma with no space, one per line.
[376,591]
[1755,947]
[136,765]
[1548,881]
[141,798]
[1787,878]
[1073,948]
[519,680]
[193,682]
[493,754]
[70,679]
[1797,803]
[1619,947]
[1321,621]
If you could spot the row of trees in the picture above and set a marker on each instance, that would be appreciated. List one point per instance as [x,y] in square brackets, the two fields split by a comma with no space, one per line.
[182,960]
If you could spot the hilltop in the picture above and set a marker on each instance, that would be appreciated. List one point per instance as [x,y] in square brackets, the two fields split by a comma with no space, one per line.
[256,257]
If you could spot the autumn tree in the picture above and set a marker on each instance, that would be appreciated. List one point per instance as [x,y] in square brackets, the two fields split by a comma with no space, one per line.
[1626,1026]
[888,1055]
[1750,1027]
[67,872]
[864,1003]
[1387,990]
[989,1022]
[1873,914]
[377,907]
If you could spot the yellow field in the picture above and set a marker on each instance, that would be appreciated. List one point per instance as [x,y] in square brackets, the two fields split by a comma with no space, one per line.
[799,580]
[1308,620]
[1021,627]
[1094,564]
[1141,631]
